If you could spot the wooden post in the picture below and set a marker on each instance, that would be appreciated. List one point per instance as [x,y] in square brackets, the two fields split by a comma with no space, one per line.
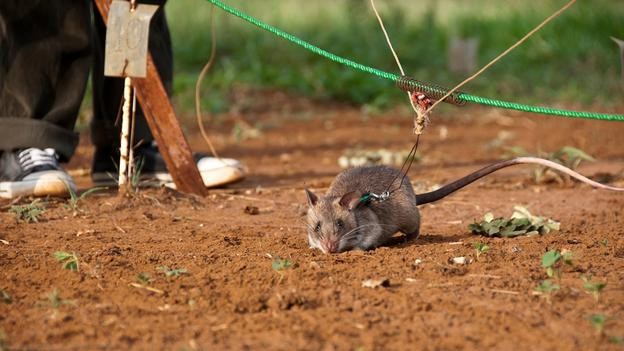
[124,144]
[164,125]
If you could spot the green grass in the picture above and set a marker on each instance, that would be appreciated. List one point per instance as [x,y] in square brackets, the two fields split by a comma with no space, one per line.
[29,213]
[570,60]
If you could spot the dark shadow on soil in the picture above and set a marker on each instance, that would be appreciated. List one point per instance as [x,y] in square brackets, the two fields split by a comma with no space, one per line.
[293,179]
[399,241]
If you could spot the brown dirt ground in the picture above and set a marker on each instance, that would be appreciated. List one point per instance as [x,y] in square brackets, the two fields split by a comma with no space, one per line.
[231,298]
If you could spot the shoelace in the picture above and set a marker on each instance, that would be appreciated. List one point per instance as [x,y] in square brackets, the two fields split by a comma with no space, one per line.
[32,157]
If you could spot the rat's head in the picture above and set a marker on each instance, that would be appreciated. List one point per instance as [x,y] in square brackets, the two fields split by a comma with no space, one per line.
[336,223]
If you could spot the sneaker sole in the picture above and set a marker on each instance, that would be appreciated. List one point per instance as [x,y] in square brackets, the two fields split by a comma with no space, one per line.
[211,178]
[46,183]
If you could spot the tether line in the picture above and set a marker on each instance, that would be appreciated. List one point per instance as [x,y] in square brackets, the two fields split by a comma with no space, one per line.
[396,78]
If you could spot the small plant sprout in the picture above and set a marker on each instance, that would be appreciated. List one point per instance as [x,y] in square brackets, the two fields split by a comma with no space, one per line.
[279,264]
[69,260]
[135,178]
[243,131]
[480,248]
[522,222]
[618,340]
[54,300]
[598,322]
[74,198]
[5,297]
[172,272]
[553,260]
[546,288]
[604,242]
[29,212]
[595,288]
[143,278]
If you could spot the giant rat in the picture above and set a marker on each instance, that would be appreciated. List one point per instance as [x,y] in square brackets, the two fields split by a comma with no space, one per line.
[348,217]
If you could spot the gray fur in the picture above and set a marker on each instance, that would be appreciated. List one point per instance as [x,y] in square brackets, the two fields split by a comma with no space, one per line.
[367,225]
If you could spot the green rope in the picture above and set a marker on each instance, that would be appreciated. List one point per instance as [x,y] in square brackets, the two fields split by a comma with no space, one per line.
[394,77]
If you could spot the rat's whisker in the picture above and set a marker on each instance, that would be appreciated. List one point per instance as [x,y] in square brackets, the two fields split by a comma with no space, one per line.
[353,232]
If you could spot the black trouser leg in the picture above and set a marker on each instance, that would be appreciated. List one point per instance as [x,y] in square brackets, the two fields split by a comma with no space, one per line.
[108,91]
[44,66]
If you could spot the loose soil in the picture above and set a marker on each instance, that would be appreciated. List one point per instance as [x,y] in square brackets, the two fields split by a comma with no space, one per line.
[232,298]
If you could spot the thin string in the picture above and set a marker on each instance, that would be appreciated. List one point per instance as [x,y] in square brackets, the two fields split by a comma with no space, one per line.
[412,153]
[395,78]
[410,159]
[396,57]
[533,31]
[202,74]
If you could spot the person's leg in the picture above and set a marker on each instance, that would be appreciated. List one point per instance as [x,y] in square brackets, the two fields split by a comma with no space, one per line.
[44,66]
[108,91]
[105,127]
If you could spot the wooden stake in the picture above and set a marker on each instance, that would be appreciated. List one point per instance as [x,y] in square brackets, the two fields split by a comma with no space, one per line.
[162,121]
[125,133]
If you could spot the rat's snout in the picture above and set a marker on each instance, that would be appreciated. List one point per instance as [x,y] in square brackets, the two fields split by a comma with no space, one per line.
[329,246]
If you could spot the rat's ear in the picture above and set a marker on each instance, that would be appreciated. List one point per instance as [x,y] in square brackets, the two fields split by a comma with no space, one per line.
[351,200]
[312,198]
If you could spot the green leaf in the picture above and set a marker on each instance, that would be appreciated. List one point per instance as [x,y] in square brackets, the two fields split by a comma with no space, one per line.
[480,246]
[29,212]
[474,227]
[62,255]
[144,278]
[547,287]
[596,286]
[566,257]
[521,212]
[574,153]
[172,272]
[593,286]
[492,230]
[597,321]
[69,260]
[92,190]
[279,264]
[72,265]
[618,340]
[5,297]
[550,258]
[520,223]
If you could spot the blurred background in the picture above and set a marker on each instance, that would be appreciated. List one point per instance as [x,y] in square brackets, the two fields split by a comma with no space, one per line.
[572,61]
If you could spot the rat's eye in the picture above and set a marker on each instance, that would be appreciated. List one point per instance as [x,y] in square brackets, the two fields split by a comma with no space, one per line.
[340,224]
[318,227]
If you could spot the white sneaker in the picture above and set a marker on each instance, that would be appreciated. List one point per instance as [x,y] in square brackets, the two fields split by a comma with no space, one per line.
[153,171]
[214,172]
[33,172]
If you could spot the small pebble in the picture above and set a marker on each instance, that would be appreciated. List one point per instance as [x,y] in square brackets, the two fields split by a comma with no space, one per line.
[460,260]
[374,283]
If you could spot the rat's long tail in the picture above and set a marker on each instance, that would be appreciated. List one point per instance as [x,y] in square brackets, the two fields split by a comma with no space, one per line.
[462,182]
